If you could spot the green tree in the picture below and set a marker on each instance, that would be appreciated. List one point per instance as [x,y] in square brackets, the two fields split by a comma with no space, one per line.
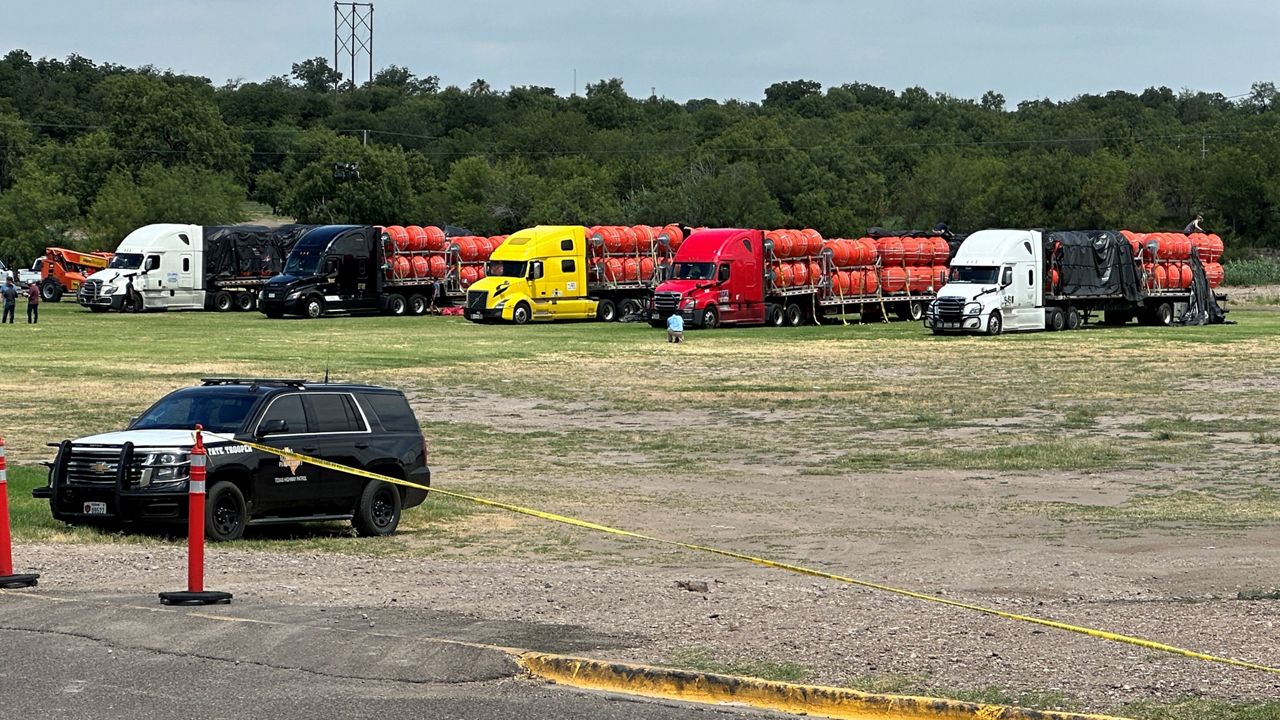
[315,75]
[34,213]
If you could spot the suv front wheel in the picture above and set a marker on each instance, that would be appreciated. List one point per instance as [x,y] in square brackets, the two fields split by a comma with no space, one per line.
[379,510]
[225,513]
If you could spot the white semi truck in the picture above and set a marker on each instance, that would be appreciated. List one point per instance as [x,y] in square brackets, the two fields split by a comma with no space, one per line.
[189,267]
[1026,280]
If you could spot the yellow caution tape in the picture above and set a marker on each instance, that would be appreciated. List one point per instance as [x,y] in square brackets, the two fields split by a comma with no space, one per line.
[553,517]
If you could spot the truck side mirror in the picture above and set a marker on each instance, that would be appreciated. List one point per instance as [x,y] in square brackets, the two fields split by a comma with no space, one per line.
[1006,278]
[272,427]
[535,271]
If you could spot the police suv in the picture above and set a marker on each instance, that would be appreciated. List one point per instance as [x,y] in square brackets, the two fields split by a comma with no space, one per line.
[140,474]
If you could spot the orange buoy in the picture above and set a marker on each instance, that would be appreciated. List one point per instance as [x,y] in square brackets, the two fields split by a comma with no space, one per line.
[893,279]
[1214,272]
[466,248]
[417,239]
[1216,248]
[630,269]
[435,238]
[781,244]
[628,239]
[421,268]
[940,273]
[613,270]
[868,282]
[644,237]
[399,237]
[400,267]
[813,241]
[890,251]
[785,275]
[436,266]
[919,279]
[1135,241]
[612,238]
[467,275]
[646,268]
[839,252]
[674,236]
[799,274]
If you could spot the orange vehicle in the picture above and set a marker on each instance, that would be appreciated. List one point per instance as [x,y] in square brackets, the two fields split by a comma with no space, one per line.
[63,270]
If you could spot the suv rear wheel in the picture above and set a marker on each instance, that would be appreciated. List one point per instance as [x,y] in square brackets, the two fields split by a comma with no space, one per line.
[378,513]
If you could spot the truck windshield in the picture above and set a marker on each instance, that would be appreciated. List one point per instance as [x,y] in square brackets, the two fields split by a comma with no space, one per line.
[507,268]
[126,261]
[694,271]
[976,275]
[221,412]
[303,261]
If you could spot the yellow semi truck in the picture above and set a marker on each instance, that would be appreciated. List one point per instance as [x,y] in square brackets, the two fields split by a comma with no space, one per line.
[570,272]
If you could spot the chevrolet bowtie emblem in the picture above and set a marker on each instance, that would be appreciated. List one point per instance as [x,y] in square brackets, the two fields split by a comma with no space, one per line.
[290,463]
[100,467]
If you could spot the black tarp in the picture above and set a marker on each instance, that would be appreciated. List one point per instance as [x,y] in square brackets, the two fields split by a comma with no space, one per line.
[1093,263]
[1202,308]
[248,250]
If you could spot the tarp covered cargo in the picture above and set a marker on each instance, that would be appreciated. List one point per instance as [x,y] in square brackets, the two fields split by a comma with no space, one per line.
[248,250]
[1094,263]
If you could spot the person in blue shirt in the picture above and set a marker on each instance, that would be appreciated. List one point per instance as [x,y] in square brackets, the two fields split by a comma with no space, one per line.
[675,328]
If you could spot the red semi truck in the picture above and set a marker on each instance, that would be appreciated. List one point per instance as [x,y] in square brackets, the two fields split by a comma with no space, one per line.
[795,277]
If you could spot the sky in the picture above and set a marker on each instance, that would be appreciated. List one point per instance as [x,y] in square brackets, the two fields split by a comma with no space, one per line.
[688,49]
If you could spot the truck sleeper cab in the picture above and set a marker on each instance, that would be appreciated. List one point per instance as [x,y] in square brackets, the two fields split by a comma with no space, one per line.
[140,474]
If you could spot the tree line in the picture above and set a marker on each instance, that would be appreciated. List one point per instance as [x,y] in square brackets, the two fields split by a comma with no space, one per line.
[90,151]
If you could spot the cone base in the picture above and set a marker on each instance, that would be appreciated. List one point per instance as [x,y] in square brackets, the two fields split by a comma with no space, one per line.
[10,582]
[186,597]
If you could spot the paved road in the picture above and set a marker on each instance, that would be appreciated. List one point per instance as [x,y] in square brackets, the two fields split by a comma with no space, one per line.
[69,657]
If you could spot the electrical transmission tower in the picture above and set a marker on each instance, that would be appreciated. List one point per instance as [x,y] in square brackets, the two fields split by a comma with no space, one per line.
[352,36]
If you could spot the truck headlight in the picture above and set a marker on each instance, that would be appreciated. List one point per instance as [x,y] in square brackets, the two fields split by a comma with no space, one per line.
[501,304]
[973,308]
[690,303]
[108,289]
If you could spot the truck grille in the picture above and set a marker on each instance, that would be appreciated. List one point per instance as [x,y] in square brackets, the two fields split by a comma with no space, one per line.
[950,308]
[89,290]
[666,302]
[98,466]
[477,299]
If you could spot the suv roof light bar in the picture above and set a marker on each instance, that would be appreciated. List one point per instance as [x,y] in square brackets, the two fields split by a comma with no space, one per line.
[254,382]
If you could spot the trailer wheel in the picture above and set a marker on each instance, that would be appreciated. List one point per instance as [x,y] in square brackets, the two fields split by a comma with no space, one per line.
[606,311]
[244,301]
[396,305]
[630,306]
[710,317]
[773,315]
[50,291]
[222,301]
[910,311]
[314,307]
[1164,314]
[793,315]
[1073,318]
[417,305]
[995,324]
[1056,320]
[521,314]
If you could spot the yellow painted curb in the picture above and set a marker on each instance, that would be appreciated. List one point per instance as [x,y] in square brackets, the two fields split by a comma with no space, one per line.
[791,698]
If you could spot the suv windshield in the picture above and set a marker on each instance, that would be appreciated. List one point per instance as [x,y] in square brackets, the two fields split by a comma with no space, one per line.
[694,271]
[218,412]
[126,261]
[977,275]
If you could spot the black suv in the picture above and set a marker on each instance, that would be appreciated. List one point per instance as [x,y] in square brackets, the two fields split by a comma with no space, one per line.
[140,474]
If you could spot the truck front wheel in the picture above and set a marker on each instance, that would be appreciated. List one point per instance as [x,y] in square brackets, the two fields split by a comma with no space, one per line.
[314,308]
[710,317]
[50,291]
[521,314]
[995,324]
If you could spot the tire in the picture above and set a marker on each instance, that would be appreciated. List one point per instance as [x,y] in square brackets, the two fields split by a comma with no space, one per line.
[50,291]
[773,315]
[793,315]
[1056,320]
[222,302]
[225,512]
[314,307]
[244,301]
[397,305]
[378,513]
[521,314]
[710,317]
[995,324]
[1073,318]
[417,305]
[630,306]
[1164,314]
[606,311]
[911,311]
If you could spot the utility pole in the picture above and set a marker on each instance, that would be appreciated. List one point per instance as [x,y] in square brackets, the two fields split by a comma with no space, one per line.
[1204,148]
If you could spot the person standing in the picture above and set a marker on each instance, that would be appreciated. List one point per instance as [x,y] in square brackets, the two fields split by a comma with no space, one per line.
[10,294]
[33,304]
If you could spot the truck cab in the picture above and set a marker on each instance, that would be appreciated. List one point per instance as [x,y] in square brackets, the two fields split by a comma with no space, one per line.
[995,284]
[156,266]
[536,274]
[717,277]
[331,268]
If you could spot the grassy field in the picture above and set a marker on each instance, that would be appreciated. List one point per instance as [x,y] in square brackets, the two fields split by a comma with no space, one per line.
[966,458]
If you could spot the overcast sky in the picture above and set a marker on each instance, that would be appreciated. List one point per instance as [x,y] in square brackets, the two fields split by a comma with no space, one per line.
[695,48]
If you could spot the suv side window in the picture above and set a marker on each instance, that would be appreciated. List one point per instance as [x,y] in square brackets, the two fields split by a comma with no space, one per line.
[393,411]
[334,413]
[289,409]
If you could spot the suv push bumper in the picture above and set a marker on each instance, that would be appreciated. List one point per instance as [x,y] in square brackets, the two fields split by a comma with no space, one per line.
[80,503]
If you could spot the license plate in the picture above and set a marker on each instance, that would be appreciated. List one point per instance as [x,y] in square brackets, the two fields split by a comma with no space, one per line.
[95,508]
[271,295]
[475,316]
